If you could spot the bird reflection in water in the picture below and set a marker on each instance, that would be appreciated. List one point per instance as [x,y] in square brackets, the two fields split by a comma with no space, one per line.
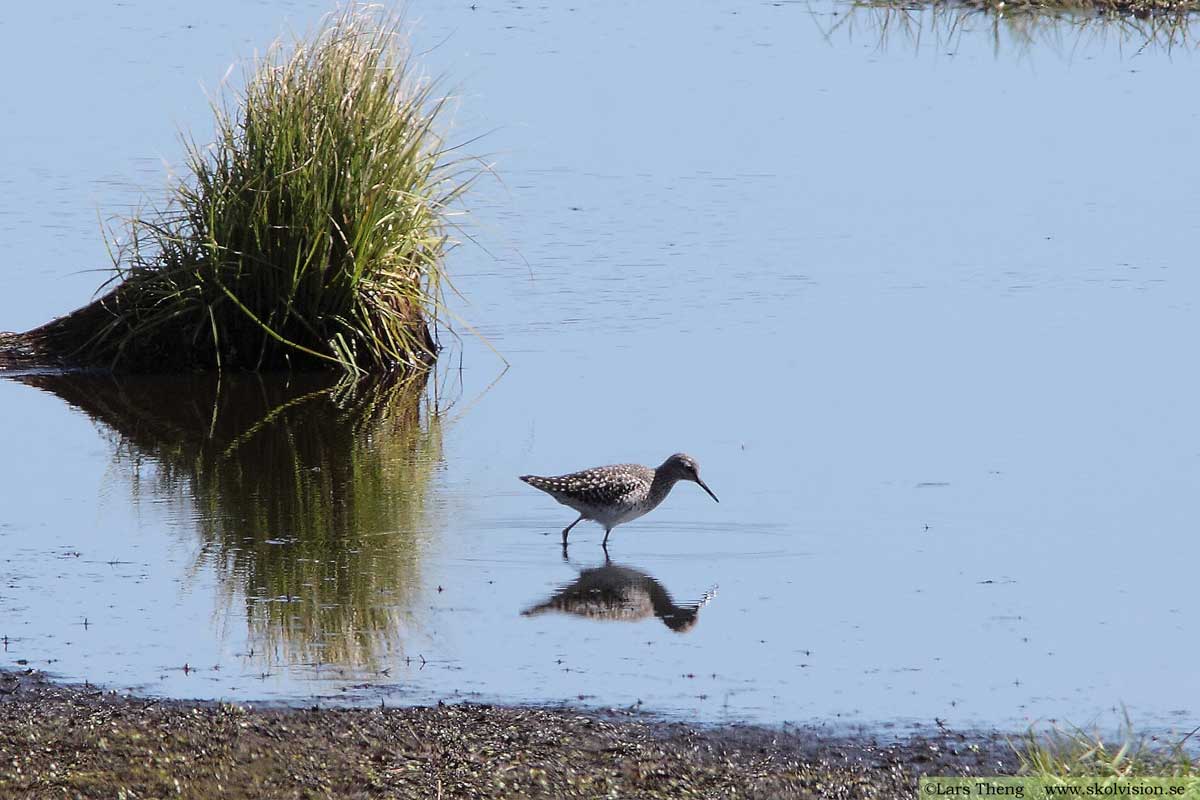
[625,594]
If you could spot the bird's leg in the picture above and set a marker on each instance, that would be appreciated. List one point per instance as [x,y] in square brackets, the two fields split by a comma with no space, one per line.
[567,529]
[604,544]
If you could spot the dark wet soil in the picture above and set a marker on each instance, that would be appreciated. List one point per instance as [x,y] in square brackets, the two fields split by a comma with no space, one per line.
[68,741]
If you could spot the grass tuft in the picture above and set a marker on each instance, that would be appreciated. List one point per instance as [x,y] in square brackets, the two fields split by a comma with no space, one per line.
[1074,752]
[311,232]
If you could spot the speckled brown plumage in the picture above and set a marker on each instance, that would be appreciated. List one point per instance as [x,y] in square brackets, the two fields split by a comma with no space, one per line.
[618,493]
[597,486]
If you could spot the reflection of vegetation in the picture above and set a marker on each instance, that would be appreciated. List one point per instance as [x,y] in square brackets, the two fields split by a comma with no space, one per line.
[614,592]
[308,494]
[1140,23]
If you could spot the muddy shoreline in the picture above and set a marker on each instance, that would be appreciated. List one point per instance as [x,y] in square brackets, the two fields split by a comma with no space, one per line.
[73,741]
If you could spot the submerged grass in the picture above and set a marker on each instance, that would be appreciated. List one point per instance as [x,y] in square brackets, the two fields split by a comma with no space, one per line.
[1021,24]
[1140,9]
[310,232]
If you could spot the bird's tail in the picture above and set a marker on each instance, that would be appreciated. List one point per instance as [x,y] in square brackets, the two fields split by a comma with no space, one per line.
[541,608]
[537,482]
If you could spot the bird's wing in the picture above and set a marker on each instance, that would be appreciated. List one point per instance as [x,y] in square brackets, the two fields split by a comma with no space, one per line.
[603,485]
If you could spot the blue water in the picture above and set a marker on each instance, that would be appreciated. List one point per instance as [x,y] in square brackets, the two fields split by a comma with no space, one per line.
[923,309]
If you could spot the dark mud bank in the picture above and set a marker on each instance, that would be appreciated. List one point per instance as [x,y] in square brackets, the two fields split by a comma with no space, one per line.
[72,741]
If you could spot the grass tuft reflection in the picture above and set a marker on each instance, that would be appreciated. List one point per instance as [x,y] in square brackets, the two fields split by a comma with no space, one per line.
[308,495]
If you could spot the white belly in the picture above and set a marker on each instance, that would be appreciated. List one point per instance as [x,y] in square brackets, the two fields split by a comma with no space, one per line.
[613,515]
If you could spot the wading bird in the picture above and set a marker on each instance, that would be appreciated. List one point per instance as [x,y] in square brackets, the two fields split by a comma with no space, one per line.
[616,494]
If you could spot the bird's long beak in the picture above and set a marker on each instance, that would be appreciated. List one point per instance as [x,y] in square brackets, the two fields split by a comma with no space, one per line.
[704,486]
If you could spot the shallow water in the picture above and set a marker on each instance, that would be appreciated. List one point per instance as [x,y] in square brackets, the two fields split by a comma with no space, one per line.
[922,309]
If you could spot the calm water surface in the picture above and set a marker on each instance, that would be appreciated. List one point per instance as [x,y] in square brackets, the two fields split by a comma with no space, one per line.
[923,308]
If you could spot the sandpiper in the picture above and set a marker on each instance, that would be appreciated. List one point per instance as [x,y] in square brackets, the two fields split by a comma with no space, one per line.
[616,494]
